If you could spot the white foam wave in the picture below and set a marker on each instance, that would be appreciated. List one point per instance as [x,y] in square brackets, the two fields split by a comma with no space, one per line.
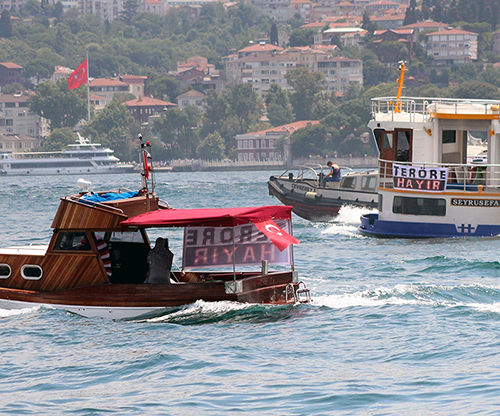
[351,215]
[201,307]
[5,313]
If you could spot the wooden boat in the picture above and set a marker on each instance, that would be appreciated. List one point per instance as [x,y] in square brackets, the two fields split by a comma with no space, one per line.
[99,261]
[302,188]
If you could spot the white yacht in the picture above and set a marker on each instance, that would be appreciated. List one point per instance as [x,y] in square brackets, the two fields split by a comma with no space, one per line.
[80,158]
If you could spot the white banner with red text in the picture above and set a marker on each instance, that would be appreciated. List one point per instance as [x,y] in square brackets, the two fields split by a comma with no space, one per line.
[419,178]
[206,247]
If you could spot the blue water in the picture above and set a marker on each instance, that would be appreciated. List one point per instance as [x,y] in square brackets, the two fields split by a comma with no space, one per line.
[397,327]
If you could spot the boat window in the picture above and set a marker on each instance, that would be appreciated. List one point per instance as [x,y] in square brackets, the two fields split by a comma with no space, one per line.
[388,140]
[449,136]
[378,137]
[368,182]
[5,271]
[72,241]
[419,206]
[31,272]
[128,237]
[403,146]
[348,182]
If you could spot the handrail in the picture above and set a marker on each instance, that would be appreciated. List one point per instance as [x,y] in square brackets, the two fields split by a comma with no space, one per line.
[92,204]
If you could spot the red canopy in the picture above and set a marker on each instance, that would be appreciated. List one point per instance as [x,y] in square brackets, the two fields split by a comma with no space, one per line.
[208,217]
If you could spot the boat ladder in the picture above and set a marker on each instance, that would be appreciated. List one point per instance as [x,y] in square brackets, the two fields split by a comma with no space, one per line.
[301,294]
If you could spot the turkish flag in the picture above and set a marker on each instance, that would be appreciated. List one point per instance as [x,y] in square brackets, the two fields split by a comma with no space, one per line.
[147,168]
[79,76]
[276,234]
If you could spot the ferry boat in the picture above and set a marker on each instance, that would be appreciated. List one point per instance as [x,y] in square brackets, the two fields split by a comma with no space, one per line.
[80,158]
[100,262]
[428,187]
[302,187]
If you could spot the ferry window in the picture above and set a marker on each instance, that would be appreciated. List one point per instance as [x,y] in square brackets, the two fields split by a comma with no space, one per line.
[419,206]
[31,272]
[403,146]
[5,271]
[348,183]
[72,241]
[449,136]
[369,183]
[388,140]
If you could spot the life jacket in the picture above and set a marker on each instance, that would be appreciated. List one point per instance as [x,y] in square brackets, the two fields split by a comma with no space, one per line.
[105,256]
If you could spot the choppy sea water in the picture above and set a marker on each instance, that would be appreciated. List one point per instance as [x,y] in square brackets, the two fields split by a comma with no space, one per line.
[396,327]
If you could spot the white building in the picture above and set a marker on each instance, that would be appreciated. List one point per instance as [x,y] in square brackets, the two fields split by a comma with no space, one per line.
[452,46]
[17,118]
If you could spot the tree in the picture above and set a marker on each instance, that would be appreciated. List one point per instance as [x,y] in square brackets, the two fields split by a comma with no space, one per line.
[5,25]
[244,104]
[129,11]
[279,109]
[273,37]
[113,127]
[302,37]
[59,139]
[163,88]
[178,130]
[211,147]
[61,107]
[311,140]
[477,90]
[306,84]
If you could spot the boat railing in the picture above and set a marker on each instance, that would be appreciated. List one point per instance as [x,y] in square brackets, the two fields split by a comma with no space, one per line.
[473,177]
[309,171]
[80,200]
[412,109]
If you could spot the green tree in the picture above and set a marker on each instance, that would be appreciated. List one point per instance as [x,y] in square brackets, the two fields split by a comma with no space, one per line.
[59,139]
[273,37]
[129,11]
[5,25]
[244,104]
[306,84]
[302,37]
[178,130]
[477,90]
[163,88]
[211,147]
[311,140]
[113,127]
[62,107]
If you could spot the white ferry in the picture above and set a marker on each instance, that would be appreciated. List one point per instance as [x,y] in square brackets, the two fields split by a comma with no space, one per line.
[81,158]
[428,186]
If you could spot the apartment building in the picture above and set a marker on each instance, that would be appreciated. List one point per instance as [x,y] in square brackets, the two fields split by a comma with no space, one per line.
[260,145]
[452,46]
[17,118]
[341,72]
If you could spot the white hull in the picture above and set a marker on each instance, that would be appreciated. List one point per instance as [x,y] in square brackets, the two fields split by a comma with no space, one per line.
[68,171]
[88,311]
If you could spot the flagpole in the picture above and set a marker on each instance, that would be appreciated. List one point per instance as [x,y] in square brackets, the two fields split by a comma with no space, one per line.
[88,86]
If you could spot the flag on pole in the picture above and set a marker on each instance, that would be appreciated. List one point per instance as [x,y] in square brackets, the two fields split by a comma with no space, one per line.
[276,234]
[79,76]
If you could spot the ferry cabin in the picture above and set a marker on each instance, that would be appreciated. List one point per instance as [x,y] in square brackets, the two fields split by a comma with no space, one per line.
[428,184]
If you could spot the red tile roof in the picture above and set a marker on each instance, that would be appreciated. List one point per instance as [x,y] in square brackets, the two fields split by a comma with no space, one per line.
[148,102]
[288,128]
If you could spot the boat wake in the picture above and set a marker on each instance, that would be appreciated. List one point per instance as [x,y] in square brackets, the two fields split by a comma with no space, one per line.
[348,220]
[484,299]
[6,313]
[202,312]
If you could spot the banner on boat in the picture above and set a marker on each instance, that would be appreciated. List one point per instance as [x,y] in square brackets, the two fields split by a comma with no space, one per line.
[419,178]
[208,247]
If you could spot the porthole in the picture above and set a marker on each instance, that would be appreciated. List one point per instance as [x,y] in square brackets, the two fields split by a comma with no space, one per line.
[31,272]
[5,271]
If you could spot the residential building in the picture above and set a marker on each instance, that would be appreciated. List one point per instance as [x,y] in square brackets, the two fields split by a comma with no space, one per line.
[107,87]
[136,84]
[10,73]
[192,97]
[452,46]
[392,56]
[192,77]
[106,9]
[425,25]
[155,7]
[379,7]
[17,118]
[260,48]
[338,34]
[261,145]
[197,62]
[60,72]
[279,10]
[495,38]
[388,20]
[302,7]
[13,142]
[341,72]
[143,108]
[12,5]
[98,101]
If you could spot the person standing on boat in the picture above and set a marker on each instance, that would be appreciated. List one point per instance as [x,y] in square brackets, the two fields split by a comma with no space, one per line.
[334,174]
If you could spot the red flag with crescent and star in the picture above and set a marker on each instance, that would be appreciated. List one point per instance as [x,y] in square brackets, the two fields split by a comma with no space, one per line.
[79,76]
[280,238]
